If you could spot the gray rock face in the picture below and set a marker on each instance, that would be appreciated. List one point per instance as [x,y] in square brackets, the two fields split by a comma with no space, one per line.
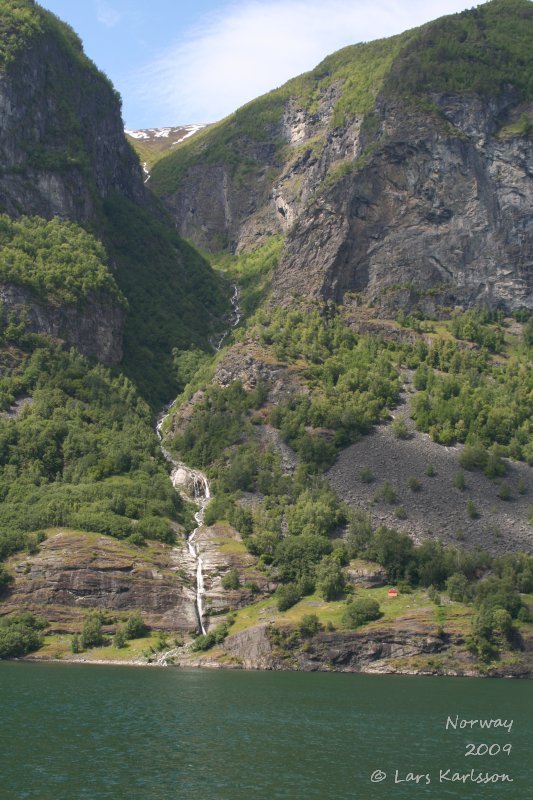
[62,143]
[435,206]
[74,572]
[94,329]
[410,204]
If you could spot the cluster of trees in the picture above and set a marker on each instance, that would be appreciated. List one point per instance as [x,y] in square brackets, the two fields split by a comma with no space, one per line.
[20,634]
[82,453]
[497,602]
[476,51]
[92,632]
[467,396]
[55,258]
[219,421]
[352,380]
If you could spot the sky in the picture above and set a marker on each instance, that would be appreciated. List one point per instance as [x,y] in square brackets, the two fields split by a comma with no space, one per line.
[195,61]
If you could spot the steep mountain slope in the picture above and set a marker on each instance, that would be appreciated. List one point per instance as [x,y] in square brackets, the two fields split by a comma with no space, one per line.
[62,144]
[91,270]
[395,168]
[335,428]
[64,154]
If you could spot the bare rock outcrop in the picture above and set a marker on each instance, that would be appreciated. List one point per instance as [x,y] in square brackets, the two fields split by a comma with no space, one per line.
[95,328]
[75,572]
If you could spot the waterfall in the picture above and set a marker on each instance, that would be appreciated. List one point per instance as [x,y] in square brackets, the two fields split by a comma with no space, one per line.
[193,483]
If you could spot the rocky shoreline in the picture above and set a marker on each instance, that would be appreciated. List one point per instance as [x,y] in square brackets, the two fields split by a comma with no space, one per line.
[384,650]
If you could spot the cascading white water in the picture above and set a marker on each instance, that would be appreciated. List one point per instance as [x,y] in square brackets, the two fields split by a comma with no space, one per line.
[201,493]
[234,319]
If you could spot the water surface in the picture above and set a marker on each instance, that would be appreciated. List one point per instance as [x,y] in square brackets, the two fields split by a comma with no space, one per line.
[71,732]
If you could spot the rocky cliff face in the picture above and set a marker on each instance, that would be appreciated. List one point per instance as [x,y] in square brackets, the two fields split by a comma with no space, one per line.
[94,328]
[403,649]
[62,144]
[76,572]
[436,206]
[420,189]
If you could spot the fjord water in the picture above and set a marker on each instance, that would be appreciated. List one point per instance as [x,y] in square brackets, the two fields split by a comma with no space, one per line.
[71,732]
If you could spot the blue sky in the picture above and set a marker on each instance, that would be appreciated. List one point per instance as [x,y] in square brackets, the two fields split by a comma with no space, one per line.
[187,61]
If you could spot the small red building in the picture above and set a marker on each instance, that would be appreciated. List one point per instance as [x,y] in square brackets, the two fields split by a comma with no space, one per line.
[393,593]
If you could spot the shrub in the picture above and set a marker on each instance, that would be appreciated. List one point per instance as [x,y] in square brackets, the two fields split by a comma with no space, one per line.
[386,493]
[471,510]
[366,475]
[504,491]
[401,512]
[359,611]
[309,626]
[414,484]
[431,471]
[231,580]
[207,640]
[459,481]
[287,596]
[137,539]
[91,634]
[399,427]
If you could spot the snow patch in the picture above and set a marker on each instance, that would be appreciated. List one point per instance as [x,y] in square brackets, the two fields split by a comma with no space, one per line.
[191,130]
[137,134]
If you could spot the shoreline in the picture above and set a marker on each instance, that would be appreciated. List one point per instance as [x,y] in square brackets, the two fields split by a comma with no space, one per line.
[217,665]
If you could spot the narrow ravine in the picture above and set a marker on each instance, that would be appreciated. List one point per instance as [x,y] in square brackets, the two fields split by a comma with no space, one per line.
[192,483]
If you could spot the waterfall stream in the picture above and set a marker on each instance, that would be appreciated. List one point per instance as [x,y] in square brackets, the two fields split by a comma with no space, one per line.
[192,483]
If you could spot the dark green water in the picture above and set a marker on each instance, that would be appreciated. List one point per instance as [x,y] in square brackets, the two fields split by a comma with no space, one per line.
[71,732]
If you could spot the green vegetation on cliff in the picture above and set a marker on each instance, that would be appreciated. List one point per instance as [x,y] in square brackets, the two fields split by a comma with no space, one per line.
[57,259]
[175,299]
[80,453]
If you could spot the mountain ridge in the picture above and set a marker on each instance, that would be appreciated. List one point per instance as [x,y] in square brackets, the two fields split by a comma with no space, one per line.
[274,165]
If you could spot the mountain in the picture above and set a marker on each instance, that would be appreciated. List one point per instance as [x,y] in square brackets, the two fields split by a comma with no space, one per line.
[65,156]
[372,410]
[396,169]
[99,296]
[350,449]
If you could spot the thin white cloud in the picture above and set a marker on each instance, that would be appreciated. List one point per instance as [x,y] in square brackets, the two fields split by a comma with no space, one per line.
[253,46]
[106,15]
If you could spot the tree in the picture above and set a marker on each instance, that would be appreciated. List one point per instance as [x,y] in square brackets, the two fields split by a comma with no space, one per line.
[330,578]
[458,587]
[5,579]
[91,634]
[359,611]
[231,580]
[135,627]
[120,638]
